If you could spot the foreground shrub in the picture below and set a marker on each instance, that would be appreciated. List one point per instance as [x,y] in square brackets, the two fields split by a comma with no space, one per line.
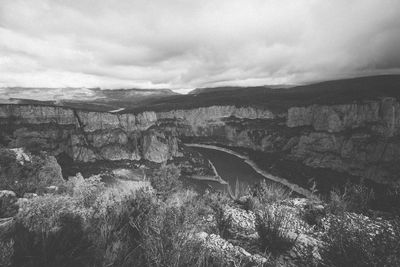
[313,213]
[218,203]
[268,193]
[272,227]
[85,191]
[350,245]
[8,204]
[165,238]
[67,245]
[145,231]
[240,190]
[43,213]
[6,252]
[110,226]
[166,180]
[391,199]
[354,198]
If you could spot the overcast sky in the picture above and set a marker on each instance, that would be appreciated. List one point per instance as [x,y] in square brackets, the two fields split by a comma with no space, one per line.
[188,43]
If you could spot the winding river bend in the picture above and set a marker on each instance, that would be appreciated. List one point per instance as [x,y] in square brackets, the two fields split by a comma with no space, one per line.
[233,167]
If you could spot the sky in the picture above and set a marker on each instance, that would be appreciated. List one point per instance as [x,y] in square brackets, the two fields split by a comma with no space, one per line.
[185,44]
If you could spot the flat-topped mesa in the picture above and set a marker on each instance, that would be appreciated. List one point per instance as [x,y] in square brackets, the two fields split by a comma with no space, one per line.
[381,117]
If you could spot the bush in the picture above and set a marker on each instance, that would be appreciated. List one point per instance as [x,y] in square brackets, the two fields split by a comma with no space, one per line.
[268,193]
[166,180]
[313,213]
[241,190]
[67,245]
[8,204]
[166,238]
[357,246]
[337,202]
[391,199]
[354,198]
[153,233]
[110,225]
[43,213]
[6,252]
[85,191]
[218,203]
[271,226]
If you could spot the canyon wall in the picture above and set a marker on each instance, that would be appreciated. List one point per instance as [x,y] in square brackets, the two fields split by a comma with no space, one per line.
[87,136]
[360,139]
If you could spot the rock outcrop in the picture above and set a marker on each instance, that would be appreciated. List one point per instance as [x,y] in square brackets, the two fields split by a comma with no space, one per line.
[23,172]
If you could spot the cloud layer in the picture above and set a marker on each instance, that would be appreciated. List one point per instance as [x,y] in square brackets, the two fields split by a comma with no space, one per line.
[186,44]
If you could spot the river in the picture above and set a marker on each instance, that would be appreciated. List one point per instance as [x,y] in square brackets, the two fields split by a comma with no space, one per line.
[233,167]
[230,168]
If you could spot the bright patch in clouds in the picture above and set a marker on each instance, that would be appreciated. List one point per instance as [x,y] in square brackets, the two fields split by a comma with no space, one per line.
[186,44]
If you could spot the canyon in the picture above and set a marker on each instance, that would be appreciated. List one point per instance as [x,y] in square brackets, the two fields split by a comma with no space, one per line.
[328,132]
[357,139]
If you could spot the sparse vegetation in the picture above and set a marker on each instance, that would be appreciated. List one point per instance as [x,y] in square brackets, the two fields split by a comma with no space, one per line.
[267,193]
[90,224]
[354,198]
[271,226]
[165,180]
[6,252]
[349,245]
[218,203]
[66,245]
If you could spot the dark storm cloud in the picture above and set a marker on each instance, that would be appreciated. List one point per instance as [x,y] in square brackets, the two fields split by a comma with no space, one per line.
[186,44]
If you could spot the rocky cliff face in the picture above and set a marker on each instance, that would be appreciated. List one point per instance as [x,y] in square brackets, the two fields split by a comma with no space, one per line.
[90,136]
[86,136]
[380,117]
[358,139]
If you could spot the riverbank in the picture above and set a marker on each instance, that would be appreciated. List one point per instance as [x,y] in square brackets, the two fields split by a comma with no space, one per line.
[216,178]
[294,187]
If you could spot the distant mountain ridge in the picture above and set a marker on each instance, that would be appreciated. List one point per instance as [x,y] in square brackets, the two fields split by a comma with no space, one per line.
[277,98]
[87,98]
[323,93]
[233,88]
